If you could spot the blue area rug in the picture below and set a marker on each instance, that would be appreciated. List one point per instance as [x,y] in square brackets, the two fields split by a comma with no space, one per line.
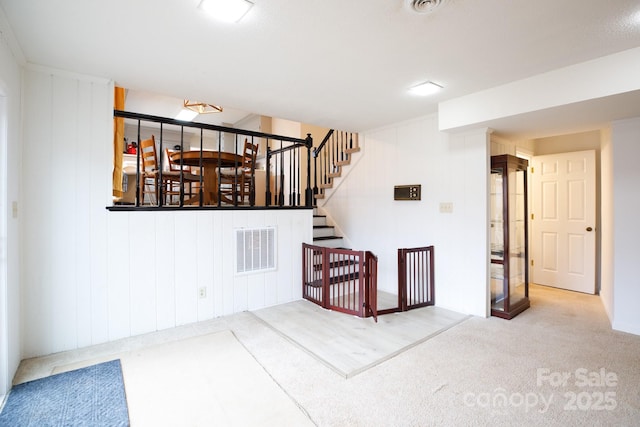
[91,396]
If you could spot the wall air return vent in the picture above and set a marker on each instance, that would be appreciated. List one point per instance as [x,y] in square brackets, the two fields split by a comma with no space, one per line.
[255,249]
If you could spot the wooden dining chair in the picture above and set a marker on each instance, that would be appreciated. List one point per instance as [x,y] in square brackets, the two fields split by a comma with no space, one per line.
[191,186]
[172,181]
[239,183]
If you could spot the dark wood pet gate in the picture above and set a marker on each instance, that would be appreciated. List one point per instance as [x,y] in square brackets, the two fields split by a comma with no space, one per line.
[347,281]
[340,279]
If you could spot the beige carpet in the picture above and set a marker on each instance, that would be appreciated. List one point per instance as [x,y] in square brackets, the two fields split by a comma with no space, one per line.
[479,372]
[349,344]
[461,376]
[203,381]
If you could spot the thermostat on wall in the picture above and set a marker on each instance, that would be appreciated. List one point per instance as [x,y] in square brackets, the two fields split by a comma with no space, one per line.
[407,192]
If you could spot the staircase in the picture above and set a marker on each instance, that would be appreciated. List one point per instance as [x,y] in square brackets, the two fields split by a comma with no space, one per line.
[330,157]
[333,153]
[324,234]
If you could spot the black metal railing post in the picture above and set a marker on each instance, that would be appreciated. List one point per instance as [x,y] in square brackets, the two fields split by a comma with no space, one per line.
[308,193]
[139,173]
[267,196]
[315,174]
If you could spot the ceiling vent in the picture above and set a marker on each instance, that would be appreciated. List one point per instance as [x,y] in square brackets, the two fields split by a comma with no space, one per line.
[425,6]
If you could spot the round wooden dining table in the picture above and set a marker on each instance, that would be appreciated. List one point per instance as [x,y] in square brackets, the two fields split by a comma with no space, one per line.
[211,161]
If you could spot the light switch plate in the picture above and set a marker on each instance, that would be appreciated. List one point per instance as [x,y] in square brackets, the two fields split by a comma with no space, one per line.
[446,207]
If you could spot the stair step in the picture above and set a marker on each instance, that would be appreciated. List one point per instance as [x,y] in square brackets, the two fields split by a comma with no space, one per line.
[317,258]
[335,264]
[327,238]
[352,150]
[335,174]
[319,220]
[329,242]
[319,196]
[335,280]
[344,162]
[330,185]
[323,231]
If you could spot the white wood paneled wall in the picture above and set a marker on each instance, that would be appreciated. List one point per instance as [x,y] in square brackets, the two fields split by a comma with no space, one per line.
[11,58]
[158,262]
[90,275]
[452,169]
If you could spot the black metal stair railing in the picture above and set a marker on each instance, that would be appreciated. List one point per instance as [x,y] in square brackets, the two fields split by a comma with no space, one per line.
[286,164]
[287,178]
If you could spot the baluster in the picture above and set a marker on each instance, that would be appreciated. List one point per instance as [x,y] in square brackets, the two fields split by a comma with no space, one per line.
[315,172]
[138,173]
[291,185]
[299,172]
[268,196]
[335,155]
[159,181]
[281,194]
[325,168]
[276,181]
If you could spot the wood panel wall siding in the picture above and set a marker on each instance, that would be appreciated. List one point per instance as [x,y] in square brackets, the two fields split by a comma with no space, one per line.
[10,170]
[451,168]
[66,129]
[92,276]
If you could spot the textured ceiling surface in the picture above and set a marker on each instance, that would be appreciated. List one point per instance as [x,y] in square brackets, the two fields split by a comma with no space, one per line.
[333,63]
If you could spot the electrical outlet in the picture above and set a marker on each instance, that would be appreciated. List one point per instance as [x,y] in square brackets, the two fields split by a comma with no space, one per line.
[202,292]
[446,207]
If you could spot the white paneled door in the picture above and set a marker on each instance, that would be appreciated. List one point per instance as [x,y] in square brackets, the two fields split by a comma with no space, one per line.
[563,221]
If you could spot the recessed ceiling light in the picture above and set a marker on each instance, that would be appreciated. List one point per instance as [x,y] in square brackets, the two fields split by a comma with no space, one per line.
[424,89]
[186,115]
[226,10]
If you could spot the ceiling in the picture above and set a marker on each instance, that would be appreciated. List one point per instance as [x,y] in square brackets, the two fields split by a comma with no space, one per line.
[332,63]
[168,106]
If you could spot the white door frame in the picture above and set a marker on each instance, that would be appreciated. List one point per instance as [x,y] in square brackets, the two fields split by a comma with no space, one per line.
[574,281]
[4,329]
[526,154]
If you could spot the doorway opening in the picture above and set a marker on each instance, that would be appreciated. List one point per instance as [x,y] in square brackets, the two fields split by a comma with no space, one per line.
[560,145]
[579,246]
[564,225]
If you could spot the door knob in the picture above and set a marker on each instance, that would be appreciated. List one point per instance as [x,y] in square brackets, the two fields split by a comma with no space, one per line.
[589,229]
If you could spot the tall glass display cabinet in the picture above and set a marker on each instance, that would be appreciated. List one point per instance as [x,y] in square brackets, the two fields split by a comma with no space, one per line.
[509,236]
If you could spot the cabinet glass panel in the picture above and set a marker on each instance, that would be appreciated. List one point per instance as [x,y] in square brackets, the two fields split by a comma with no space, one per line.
[497,287]
[517,251]
[497,225]
[508,229]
